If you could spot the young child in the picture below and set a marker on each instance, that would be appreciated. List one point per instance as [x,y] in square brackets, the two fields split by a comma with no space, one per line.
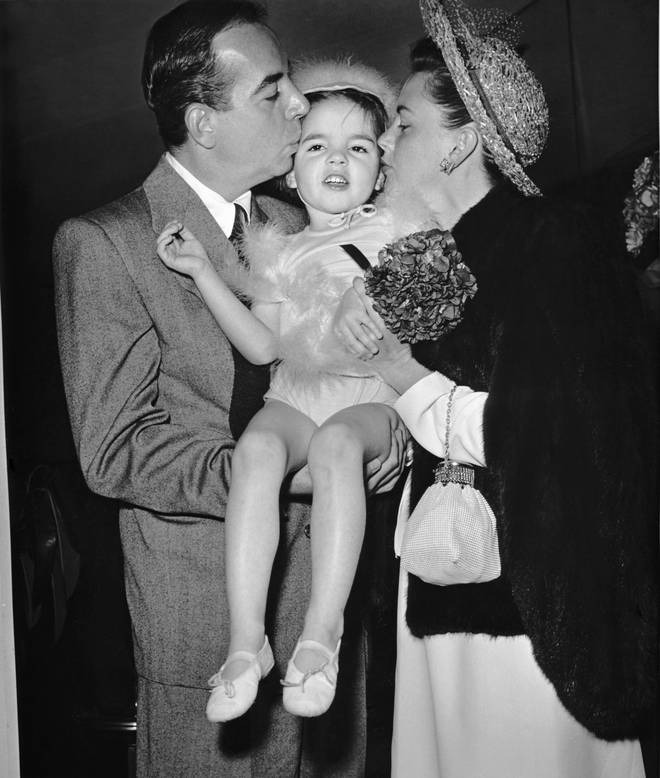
[323,409]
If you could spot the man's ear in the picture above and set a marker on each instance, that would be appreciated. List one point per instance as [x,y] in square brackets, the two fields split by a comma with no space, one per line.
[290,180]
[201,124]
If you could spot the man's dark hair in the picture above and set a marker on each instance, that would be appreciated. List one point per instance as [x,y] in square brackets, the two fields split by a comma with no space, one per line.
[179,65]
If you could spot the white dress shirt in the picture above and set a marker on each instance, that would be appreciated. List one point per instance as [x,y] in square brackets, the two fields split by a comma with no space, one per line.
[220,209]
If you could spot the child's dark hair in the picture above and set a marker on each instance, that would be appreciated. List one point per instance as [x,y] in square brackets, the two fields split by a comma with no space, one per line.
[369,103]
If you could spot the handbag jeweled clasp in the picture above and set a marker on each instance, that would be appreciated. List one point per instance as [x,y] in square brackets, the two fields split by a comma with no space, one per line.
[448,472]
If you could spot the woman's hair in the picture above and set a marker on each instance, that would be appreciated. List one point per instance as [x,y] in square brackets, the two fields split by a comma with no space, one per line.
[180,66]
[425,57]
[369,103]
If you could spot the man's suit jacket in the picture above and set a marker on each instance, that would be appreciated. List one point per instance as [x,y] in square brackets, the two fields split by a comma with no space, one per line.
[150,386]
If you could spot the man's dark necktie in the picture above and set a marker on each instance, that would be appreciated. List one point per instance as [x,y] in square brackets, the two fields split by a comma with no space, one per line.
[250,381]
[240,220]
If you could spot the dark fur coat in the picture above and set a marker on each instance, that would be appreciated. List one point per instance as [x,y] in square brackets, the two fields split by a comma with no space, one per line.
[555,337]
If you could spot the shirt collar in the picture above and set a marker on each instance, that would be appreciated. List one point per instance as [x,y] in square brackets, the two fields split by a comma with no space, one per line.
[220,209]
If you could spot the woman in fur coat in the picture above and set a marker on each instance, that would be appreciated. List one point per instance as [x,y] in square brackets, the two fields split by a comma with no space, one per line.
[548,670]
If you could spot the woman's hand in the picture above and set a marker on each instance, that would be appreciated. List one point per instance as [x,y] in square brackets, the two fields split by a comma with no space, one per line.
[356,324]
[395,363]
[180,250]
[362,331]
[391,352]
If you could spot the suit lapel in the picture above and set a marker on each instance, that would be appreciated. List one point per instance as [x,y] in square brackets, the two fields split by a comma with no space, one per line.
[171,198]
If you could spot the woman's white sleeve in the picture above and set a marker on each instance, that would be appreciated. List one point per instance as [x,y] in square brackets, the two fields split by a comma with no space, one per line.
[423,409]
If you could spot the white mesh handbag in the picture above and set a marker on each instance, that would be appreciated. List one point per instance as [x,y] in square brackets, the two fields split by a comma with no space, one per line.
[451,536]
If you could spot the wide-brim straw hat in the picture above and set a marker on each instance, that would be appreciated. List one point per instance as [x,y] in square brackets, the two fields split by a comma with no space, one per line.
[501,94]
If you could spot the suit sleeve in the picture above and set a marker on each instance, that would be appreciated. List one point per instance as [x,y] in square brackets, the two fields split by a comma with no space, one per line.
[569,433]
[129,448]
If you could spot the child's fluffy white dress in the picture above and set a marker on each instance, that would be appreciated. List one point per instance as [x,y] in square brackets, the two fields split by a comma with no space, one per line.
[308,273]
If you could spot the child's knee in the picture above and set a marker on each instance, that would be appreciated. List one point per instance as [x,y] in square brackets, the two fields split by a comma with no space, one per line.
[334,444]
[257,449]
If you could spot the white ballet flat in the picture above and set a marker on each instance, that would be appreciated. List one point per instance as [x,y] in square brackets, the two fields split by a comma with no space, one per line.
[311,693]
[231,699]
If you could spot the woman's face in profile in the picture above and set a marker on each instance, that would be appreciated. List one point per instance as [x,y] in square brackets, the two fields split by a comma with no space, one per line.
[417,141]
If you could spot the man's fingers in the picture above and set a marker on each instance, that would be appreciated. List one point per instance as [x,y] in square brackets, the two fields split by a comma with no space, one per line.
[379,483]
[372,467]
[405,449]
[383,476]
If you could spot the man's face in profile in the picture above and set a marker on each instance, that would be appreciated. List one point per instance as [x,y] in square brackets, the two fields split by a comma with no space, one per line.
[261,127]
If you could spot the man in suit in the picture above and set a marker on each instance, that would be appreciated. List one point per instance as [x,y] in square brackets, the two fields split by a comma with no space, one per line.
[157,397]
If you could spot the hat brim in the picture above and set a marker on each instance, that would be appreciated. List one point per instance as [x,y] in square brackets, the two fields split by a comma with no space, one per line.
[438,26]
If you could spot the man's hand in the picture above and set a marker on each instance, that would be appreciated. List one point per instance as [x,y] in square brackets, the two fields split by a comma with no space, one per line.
[383,475]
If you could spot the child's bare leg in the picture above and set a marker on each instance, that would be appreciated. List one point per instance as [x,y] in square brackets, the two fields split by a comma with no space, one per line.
[274,444]
[337,454]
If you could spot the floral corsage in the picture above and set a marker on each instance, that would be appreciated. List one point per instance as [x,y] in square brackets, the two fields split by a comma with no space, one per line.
[640,210]
[420,285]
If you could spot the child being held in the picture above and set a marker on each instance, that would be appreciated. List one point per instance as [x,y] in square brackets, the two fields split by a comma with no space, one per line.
[323,409]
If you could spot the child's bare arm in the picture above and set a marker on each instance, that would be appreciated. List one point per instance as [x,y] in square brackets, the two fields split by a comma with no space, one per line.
[254,336]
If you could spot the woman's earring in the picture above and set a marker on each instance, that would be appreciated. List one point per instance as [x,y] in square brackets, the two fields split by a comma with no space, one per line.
[447,165]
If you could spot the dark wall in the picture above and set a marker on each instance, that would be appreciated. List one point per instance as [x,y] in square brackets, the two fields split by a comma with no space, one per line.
[75,133]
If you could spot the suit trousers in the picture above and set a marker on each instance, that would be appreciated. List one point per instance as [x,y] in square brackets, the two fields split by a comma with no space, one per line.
[174,738]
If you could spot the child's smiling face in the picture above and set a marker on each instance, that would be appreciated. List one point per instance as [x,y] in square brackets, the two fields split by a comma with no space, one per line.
[338,161]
